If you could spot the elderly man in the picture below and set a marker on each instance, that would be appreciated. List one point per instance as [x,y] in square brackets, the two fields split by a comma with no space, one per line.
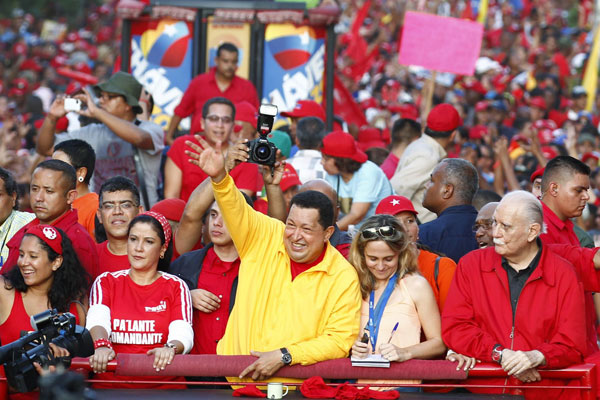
[449,195]
[299,299]
[483,225]
[518,303]
[52,193]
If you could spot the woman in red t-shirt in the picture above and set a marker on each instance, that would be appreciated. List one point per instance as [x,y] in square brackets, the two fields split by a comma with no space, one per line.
[141,310]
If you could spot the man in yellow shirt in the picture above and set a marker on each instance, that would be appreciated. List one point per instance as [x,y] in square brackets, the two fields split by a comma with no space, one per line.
[298,299]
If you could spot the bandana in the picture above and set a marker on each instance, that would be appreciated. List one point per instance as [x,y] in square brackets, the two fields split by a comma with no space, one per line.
[163,222]
[49,235]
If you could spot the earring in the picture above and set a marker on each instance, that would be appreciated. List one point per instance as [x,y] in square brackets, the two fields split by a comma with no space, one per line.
[162,256]
[80,179]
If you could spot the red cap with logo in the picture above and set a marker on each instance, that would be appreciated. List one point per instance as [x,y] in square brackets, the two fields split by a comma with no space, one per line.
[395,204]
[290,178]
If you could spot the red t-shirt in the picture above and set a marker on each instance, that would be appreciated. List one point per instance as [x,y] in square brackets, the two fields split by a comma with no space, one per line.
[204,87]
[109,262]
[140,315]
[245,175]
[217,277]
[298,268]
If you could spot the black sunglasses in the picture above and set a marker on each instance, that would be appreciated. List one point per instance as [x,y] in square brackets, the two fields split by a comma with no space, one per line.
[382,232]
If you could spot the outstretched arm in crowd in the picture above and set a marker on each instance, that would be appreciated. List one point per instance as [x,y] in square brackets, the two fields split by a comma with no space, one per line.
[190,227]
[272,178]
[508,173]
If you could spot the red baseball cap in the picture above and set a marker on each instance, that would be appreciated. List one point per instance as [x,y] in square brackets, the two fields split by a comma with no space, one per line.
[589,155]
[30,64]
[478,131]
[171,208]
[482,105]
[549,152]
[342,144]
[443,118]
[246,112]
[538,101]
[369,137]
[306,108]
[290,178]
[474,85]
[395,204]
[405,110]
[537,174]
[19,87]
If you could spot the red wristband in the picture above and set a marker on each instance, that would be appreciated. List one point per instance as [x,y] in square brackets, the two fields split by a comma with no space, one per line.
[102,343]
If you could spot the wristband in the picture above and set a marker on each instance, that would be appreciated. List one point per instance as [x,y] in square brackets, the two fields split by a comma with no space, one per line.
[102,343]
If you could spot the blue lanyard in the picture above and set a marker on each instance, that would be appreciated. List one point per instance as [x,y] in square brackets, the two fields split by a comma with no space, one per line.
[376,312]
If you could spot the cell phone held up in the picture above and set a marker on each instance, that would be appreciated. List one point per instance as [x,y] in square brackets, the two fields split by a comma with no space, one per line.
[72,104]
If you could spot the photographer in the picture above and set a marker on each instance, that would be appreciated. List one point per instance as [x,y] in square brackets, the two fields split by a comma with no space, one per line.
[119,136]
[49,275]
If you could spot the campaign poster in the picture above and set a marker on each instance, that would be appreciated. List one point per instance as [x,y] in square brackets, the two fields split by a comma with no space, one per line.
[236,33]
[294,65]
[161,60]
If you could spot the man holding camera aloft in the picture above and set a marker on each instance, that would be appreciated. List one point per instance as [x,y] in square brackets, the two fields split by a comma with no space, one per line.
[298,299]
[181,177]
[123,144]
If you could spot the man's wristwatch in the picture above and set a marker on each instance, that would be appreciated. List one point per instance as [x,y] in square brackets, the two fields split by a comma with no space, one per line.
[286,357]
[497,353]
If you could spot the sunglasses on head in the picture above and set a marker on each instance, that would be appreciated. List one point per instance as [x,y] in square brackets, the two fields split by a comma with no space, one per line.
[382,232]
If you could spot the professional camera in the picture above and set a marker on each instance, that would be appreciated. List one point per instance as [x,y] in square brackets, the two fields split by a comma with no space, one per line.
[261,150]
[50,327]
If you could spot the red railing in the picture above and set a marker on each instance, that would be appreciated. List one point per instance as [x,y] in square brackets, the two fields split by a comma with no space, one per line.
[426,370]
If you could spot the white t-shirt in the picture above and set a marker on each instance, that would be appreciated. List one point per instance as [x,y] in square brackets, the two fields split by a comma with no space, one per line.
[114,156]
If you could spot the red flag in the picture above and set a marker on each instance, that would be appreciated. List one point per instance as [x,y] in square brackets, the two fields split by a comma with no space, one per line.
[468,11]
[345,106]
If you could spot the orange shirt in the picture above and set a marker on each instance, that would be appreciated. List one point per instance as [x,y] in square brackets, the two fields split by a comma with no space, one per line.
[446,270]
[86,207]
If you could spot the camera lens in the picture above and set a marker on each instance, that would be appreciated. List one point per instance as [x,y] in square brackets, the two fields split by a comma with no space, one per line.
[262,152]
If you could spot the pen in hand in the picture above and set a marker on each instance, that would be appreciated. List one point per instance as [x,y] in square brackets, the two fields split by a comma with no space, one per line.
[393,331]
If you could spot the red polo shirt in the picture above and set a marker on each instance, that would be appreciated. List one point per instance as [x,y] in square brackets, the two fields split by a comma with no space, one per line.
[561,232]
[245,175]
[204,87]
[217,277]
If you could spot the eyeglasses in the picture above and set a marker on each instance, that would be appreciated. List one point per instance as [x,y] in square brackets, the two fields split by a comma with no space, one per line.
[382,232]
[213,119]
[483,225]
[122,205]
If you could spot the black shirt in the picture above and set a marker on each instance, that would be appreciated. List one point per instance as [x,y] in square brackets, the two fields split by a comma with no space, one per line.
[516,280]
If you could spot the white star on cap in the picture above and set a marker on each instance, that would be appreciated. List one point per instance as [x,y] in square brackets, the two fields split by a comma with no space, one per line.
[395,202]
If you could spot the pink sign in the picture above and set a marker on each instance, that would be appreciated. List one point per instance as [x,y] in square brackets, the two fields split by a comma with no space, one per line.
[440,43]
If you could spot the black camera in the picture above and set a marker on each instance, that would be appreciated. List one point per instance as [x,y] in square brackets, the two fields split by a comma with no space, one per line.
[261,150]
[50,327]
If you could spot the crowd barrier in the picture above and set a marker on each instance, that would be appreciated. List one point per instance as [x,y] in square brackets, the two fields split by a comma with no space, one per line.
[426,370]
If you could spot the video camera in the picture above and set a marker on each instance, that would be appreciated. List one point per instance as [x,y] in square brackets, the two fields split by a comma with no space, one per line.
[50,327]
[261,150]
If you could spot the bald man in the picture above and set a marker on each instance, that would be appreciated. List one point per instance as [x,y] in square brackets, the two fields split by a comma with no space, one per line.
[340,240]
[483,225]
[547,328]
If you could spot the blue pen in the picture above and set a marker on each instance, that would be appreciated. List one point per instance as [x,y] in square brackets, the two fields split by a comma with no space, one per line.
[393,331]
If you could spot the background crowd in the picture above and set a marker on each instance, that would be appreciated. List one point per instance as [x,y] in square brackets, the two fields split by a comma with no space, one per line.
[491,134]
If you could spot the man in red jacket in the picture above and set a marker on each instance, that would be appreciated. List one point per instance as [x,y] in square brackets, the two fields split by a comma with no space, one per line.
[517,304]
[52,192]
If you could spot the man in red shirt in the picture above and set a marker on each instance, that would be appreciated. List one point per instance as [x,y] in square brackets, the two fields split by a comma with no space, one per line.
[182,177]
[565,185]
[52,193]
[220,81]
[119,204]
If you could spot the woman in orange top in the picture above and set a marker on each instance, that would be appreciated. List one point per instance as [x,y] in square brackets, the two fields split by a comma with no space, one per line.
[82,157]
[437,269]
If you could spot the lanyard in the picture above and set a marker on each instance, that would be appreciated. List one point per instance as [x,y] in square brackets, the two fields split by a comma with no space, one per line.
[376,312]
